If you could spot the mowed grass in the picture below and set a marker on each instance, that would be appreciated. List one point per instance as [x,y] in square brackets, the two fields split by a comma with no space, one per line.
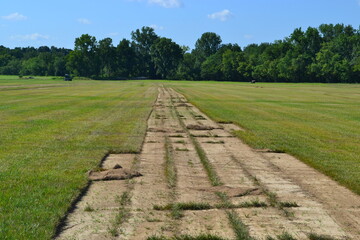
[318,123]
[51,136]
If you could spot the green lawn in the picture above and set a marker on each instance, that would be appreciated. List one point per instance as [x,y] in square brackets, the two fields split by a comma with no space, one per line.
[51,133]
[318,123]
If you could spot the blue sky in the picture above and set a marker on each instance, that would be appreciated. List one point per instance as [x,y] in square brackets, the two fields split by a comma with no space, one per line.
[57,23]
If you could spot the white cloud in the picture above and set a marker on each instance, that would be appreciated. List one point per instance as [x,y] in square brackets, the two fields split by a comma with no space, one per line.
[156,27]
[222,16]
[15,17]
[32,37]
[167,3]
[84,21]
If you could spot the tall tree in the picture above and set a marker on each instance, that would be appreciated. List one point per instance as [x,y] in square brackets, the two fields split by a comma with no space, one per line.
[207,45]
[83,60]
[106,53]
[126,59]
[166,56]
[143,40]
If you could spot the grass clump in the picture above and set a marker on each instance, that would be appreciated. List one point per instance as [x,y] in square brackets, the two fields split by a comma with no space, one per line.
[187,237]
[288,204]
[213,177]
[194,206]
[170,169]
[241,231]
[123,213]
[88,208]
[215,142]
[253,203]
[200,135]
[314,236]
[239,228]
[283,236]
[184,206]
[176,212]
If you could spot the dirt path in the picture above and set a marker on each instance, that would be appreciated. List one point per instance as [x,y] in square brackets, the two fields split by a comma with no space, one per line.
[199,179]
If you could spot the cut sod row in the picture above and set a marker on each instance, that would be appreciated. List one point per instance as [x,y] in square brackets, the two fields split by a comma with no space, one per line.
[273,199]
[239,228]
[210,171]
[170,169]
[124,201]
[317,123]
[51,137]
[198,206]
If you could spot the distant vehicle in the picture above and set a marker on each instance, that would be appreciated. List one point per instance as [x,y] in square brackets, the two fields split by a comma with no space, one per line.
[67,77]
[253,81]
[141,78]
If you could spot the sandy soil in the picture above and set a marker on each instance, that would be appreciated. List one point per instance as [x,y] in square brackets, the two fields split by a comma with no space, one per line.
[247,175]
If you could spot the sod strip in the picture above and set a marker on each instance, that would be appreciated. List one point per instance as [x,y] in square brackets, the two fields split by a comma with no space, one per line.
[194,206]
[210,171]
[124,200]
[170,169]
[171,178]
[272,197]
[240,230]
[213,177]
[122,215]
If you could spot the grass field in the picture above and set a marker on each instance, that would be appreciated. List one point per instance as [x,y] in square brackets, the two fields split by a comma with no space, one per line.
[318,123]
[51,133]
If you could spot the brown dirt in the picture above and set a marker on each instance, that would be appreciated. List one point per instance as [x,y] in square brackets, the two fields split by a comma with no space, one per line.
[93,215]
[325,208]
[113,174]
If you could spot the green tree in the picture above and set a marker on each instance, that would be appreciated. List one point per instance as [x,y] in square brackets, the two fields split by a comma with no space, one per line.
[211,68]
[83,60]
[143,40]
[106,53]
[126,59]
[59,66]
[33,66]
[207,45]
[330,67]
[166,56]
[186,70]
[230,64]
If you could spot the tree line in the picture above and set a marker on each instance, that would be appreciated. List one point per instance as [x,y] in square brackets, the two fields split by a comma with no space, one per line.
[329,53]
[42,61]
